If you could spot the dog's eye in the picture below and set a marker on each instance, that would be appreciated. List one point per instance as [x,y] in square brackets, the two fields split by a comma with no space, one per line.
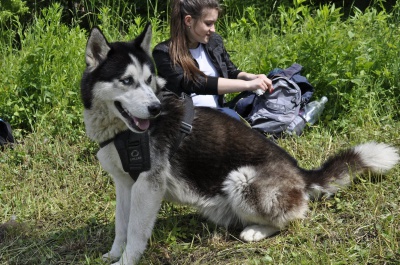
[148,81]
[127,81]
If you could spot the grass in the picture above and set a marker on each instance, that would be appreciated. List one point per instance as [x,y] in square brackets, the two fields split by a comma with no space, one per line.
[64,208]
[57,204]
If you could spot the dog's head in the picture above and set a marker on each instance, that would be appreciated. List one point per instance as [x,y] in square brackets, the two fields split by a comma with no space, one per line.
[121,77]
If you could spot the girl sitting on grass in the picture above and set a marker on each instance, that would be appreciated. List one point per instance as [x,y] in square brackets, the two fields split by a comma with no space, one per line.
[194,59]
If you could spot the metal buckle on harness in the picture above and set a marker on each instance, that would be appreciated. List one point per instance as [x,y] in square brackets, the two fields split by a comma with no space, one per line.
[185,127]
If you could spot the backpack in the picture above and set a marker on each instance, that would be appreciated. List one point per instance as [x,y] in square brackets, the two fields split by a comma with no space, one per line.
[6,136]
[273,113]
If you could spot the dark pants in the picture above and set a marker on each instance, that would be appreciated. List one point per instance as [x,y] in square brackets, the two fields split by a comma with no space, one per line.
[230,112]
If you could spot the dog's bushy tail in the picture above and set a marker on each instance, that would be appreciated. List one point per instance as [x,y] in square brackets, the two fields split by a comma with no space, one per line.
[337,172]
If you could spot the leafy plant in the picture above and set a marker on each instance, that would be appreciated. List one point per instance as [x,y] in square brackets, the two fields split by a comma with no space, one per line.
[41,81]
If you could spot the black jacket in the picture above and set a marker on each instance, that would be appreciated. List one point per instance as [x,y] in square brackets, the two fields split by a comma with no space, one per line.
[206,85]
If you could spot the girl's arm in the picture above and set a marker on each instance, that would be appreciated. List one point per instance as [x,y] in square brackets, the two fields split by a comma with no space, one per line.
[245,82]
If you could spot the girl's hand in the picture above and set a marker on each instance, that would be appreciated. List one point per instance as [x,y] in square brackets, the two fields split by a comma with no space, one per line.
[260,82]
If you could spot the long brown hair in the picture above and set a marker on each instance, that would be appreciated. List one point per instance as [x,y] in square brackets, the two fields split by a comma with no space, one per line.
[179,49]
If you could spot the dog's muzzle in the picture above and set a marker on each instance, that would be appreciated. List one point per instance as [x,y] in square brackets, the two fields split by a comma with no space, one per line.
[136,123]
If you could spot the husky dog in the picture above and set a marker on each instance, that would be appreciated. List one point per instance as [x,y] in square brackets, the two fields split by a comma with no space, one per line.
[232,174]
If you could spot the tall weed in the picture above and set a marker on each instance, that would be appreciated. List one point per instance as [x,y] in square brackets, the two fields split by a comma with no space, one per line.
[40,84]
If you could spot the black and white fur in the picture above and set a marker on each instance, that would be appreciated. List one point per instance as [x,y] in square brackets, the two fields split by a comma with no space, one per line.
[232,174]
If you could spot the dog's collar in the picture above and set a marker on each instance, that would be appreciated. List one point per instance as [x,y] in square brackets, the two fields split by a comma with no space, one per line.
[134,148]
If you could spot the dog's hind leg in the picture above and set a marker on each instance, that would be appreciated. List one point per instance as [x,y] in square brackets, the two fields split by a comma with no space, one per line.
[123,187]
[146,197]
[254,233]
[264,205]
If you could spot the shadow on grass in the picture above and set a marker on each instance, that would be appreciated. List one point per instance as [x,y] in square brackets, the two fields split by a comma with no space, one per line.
[22,243]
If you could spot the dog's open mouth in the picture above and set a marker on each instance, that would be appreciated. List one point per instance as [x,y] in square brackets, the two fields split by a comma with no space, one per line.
[134,122]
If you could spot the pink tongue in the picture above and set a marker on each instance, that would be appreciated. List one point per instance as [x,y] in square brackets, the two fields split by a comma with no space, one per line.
[142,124]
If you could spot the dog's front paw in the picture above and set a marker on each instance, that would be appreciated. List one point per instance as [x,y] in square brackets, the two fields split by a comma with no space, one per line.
[256,233]
[111,257]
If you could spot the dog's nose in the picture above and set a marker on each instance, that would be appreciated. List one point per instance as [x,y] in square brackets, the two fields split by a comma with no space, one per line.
[154,109]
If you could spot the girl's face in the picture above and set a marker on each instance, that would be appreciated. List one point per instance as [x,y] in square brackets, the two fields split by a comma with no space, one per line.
[199,30]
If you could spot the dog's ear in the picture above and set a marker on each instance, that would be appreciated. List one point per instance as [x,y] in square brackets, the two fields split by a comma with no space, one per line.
[160,82]
[144,39]
[96,49]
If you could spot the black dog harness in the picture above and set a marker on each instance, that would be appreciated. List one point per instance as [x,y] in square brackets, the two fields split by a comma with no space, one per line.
[134,148]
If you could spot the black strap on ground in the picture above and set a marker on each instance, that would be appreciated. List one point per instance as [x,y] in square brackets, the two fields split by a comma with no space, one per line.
[6,136]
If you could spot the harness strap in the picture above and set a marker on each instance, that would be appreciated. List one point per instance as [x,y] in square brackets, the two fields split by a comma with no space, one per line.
[134,152]
[105,143]
[186,123]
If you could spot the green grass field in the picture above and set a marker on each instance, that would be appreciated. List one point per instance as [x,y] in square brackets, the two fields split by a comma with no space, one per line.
[57,204]
[64,208]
